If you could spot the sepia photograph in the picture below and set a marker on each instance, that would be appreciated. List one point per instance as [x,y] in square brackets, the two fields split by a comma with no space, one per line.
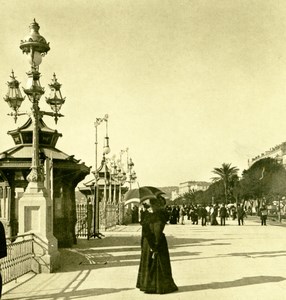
[142,149]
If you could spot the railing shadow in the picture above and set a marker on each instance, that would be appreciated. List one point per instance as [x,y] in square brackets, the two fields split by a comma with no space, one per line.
[79,294]
[120,251]
[70,290]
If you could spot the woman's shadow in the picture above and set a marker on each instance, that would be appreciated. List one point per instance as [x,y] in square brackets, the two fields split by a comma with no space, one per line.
[229,284]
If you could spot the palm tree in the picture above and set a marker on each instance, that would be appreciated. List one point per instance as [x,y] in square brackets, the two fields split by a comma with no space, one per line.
[226,174]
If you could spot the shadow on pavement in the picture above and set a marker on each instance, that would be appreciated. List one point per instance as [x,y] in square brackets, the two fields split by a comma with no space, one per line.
[259,254]
[70,289]
[91,254]
[229,284]
[79,294]
[175,242]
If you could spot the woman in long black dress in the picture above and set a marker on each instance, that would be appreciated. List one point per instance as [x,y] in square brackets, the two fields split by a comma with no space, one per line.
[155,274]
[174,216]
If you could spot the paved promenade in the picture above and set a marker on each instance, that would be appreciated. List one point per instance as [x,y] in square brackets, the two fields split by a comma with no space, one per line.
[212,262]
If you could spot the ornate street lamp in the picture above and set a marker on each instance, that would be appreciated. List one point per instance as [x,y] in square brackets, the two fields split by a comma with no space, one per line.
[132,174]
[55,100]
[114,175]
[129,166]
[14,97]
[106,150]
[96,232]
[34,46]
[121,177]
[35,207]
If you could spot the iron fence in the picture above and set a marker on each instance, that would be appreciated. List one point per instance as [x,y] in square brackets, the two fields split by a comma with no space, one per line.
[18,261]
[83,223]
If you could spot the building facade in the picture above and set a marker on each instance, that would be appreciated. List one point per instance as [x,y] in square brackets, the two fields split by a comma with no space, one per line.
[192,186]
[278,152]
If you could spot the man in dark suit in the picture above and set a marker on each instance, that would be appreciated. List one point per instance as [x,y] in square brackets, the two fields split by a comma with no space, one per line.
[203,213]
[3,249]
[222,214]
[240,214]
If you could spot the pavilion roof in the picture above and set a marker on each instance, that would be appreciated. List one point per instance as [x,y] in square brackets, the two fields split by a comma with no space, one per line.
[26,151]
[28,126]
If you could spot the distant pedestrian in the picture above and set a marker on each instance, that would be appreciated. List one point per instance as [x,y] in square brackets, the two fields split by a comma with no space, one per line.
[213,215]
[222,214]
[263,215]
[233,212]
[3,249]
[173,216]
[194,215]
[203,214]
[182,215]
[178,213]
[135,214]
[143,212]
[240,214]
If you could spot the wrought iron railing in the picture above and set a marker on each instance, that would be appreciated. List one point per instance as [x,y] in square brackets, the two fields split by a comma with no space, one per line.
[19,259]
[82,226]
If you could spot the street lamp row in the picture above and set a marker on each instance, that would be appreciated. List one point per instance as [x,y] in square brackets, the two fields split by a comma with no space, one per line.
[116,173]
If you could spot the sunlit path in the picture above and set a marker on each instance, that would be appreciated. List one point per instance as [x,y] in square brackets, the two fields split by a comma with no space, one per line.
[231,262]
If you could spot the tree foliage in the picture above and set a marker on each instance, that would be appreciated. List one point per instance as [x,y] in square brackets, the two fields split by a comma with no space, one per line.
[228,176]
[265,178]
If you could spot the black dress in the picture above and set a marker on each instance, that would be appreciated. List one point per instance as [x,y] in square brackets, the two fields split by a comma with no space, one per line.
[155,274]
[3,249]
[173,216]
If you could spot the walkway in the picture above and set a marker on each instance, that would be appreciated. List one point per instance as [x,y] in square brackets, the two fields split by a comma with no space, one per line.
[212,262]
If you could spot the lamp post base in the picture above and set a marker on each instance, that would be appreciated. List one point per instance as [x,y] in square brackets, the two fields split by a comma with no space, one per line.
[97,235]
[35,217]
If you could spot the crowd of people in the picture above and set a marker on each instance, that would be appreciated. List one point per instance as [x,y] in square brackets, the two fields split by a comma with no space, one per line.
[210,214]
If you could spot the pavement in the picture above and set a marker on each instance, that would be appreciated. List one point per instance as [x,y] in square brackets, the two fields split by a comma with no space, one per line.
[212,262]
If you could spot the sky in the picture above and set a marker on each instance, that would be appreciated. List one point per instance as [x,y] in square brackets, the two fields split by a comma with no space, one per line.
[188,85]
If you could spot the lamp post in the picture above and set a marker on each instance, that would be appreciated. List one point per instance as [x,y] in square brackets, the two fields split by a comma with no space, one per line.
[115,177]
[129,165]
[35,46]
[109,183]
[121,177]
[106,150]
[96,232]
[35,213]
[132,174]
